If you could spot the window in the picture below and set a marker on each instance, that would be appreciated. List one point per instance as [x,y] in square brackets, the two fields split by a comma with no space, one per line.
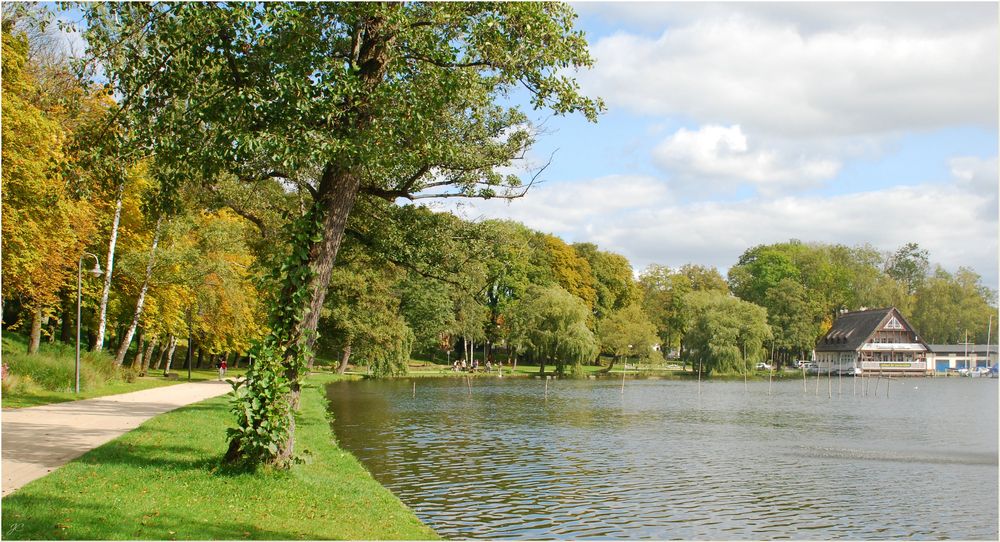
[893,324]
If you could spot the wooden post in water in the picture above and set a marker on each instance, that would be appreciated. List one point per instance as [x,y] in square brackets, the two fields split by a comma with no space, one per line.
[699,379]
[816,393]
[840,382]
[468,380]
[804,380]
[746,370]
[624,365]
[855,385]
[770,377]
[546,388]
[414,389]
[887,380]
[878,379]
[829,386]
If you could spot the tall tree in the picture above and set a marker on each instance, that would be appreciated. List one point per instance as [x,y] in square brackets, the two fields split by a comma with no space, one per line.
[626,332]
[795,319]
[551,324]
[909,265]
[109,267]
[46,223]
[613,280]
[727,334]
[950,308]
[570,270]
[363,318]
[331,92]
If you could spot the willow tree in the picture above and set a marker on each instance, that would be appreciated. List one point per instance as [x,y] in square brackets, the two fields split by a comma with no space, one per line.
[344,100]
[551,324]
[726,334]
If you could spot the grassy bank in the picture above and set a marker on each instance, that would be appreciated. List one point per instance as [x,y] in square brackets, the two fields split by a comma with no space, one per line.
[164,481]
[49,376]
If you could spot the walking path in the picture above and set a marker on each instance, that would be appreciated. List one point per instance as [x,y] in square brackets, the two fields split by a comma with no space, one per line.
[38,440]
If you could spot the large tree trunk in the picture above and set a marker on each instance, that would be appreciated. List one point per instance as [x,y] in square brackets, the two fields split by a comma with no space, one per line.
[36,331]
[110,266]
[342,368]
[163,351]
[68,317]
[148,357]
[141,342]
[127,339]
[610,365]
[335,196]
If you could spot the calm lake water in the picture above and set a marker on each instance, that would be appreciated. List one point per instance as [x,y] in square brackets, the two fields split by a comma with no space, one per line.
[665,462]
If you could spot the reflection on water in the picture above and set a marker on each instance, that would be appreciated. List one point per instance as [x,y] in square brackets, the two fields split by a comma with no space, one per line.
[505,460]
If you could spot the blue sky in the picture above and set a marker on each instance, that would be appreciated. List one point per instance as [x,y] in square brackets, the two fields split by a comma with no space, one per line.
[732,125]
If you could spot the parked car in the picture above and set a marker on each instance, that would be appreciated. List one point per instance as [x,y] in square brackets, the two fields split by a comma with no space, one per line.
[801,363]
[762,366]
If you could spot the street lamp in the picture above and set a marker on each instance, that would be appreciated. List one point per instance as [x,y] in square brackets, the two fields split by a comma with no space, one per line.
[96,271]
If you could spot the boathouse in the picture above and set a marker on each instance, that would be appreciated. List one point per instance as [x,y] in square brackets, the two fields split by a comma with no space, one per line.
[943,358]
[875,341]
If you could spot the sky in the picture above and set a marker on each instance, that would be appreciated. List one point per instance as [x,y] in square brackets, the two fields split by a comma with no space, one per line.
[731,125]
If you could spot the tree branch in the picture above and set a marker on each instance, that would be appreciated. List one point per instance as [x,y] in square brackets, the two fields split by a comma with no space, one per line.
[441,64]
[364,240]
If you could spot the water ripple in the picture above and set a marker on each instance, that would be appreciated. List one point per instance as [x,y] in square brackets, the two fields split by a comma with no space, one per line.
[587,463]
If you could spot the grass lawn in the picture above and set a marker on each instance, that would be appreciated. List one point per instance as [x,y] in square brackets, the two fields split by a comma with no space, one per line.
[164,481]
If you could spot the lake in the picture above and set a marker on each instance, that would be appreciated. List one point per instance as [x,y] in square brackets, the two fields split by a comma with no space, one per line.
[503,458]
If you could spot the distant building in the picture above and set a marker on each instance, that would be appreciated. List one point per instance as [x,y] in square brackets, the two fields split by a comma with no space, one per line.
[952,357]
[875,341]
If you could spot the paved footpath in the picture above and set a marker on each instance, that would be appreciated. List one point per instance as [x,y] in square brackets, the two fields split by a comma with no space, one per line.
[38,440]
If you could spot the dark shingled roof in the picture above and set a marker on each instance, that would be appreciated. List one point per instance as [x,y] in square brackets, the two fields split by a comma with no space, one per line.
[978,349]
[851,329]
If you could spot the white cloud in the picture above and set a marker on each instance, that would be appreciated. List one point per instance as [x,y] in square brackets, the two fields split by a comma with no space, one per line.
[722,155]
[976,173]
[777,80]
[571,209]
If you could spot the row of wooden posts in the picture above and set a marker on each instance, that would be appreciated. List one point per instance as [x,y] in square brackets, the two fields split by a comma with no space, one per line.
[865,384]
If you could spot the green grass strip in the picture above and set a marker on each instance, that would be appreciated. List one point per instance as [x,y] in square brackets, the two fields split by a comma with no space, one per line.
[164,481]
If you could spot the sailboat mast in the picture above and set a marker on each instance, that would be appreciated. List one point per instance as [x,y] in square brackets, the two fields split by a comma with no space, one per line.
[989,332]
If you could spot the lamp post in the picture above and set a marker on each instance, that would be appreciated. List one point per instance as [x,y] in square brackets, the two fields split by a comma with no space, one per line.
[96,271]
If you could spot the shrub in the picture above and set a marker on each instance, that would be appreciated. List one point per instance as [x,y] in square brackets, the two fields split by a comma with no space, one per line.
[53,368]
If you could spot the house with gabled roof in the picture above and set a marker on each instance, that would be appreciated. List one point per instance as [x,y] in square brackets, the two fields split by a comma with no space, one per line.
[878,341]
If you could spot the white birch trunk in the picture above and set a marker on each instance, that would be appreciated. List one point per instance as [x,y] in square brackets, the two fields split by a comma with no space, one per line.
[127,339]
[170,354]
[102,317]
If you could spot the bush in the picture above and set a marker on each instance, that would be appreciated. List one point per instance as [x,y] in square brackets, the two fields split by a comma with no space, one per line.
[53,368]
[13,383]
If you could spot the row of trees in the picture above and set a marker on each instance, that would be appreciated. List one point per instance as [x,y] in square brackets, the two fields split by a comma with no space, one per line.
[242,160]
[165,278]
